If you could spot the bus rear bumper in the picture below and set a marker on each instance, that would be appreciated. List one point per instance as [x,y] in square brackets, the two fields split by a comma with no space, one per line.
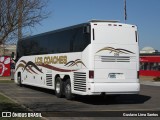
[114,88]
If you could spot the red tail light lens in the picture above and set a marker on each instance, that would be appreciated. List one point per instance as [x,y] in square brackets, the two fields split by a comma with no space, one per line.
[91,74]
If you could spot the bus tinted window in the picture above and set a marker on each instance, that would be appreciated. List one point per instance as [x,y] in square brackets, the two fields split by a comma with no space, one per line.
[69,40]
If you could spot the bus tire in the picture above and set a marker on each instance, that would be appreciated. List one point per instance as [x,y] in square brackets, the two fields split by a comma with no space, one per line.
[67,90]
[58,87]
[19,80]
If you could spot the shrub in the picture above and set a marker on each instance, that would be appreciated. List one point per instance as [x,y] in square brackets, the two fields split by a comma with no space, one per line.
[156,79]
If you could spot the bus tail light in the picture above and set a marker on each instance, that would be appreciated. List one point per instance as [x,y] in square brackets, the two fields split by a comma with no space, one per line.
[91,74]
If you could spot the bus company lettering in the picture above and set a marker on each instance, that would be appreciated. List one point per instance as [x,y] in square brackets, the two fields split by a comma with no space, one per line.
[51,60]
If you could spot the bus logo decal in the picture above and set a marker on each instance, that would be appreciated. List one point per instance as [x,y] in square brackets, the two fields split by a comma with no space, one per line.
[73,63]
[115,50]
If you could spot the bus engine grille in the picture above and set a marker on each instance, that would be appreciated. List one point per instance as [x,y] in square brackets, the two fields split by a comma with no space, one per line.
[115,59]
[49,79]
[80,81]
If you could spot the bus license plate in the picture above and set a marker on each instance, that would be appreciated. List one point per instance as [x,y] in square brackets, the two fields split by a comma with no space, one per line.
[116,75]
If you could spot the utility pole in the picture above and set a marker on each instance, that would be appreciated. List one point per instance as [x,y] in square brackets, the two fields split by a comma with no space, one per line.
[20,2]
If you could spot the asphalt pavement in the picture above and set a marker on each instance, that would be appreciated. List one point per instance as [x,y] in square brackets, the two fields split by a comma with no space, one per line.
[42,100]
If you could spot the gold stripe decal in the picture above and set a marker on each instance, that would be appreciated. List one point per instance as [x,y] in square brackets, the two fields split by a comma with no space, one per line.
[115,50]
[73,63]
[28,67]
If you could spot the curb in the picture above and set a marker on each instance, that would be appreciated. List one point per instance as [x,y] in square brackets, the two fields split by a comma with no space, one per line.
[5,78]
[151,83]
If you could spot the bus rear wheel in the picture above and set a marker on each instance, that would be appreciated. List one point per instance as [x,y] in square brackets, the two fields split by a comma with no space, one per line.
[58,87]
[67,90]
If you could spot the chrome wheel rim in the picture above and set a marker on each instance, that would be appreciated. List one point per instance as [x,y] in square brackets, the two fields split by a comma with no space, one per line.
[58,87]
[68,89]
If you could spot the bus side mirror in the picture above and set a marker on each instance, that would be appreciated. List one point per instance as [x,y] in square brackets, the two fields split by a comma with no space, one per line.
[86,29]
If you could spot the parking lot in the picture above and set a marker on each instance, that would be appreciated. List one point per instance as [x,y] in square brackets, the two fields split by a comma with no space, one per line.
[42,100]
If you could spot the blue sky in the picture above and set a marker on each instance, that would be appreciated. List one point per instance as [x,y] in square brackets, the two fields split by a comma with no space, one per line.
[143,13]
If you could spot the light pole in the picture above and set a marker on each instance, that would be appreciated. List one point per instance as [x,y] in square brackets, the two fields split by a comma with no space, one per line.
[125,11]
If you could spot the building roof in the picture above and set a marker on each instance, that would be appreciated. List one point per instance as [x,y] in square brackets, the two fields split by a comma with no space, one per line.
[148,50]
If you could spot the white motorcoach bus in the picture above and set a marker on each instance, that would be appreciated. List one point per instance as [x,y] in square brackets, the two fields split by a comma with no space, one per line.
[98,57]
